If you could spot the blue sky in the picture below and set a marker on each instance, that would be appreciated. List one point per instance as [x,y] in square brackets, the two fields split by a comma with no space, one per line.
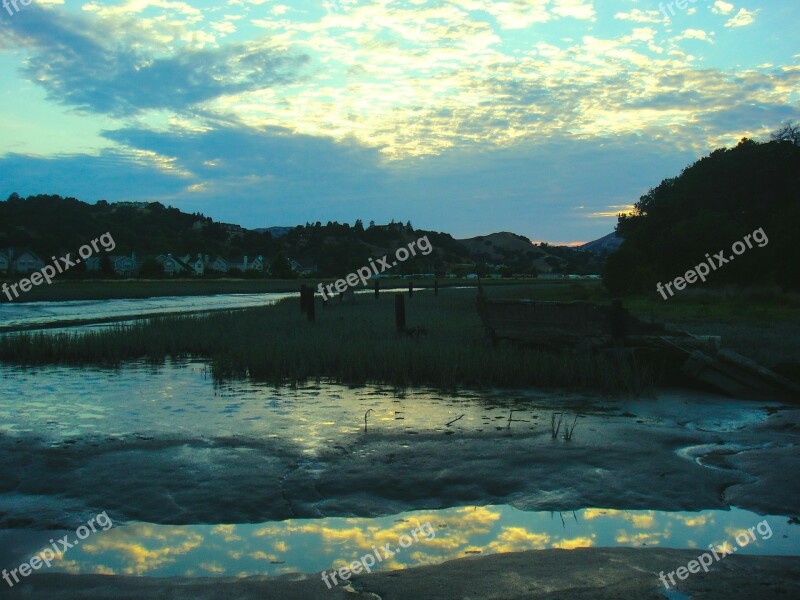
[541,117]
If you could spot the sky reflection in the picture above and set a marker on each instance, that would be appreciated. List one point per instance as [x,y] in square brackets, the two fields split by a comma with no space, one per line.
[311,545]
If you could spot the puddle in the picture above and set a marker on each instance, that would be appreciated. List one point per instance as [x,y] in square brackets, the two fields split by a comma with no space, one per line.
[674,595]
[313,545]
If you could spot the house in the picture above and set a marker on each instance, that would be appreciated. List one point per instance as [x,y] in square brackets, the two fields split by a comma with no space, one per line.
[5,263]
[25,261]
[92,264]
[123,265]
[257,264]
[126,266]
[243,263]
[302,267]
[219,264]
[198,264]
[239,263]
[173,265]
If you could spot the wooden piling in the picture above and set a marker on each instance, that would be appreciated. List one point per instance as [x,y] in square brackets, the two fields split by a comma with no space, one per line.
[436,287]
[377,288]
[400,312]
[619,318]
[410,288]
[303,298]
[310,304]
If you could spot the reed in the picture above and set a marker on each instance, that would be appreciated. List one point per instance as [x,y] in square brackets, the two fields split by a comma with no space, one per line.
[348,343]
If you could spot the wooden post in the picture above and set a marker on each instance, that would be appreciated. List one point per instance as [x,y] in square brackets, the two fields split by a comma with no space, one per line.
[310,304]
[436,287]
[619,318]
[377,288]
[410,288]
[400,312]
[303,298]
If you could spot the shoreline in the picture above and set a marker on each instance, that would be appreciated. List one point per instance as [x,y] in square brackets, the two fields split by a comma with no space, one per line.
[585,573]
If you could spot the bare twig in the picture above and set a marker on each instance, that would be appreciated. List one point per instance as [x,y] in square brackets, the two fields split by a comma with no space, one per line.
[454,420]
[555,428]
[365,419]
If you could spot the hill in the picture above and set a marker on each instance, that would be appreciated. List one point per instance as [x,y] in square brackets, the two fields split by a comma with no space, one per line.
[521,255]
[51,225]
[606,244]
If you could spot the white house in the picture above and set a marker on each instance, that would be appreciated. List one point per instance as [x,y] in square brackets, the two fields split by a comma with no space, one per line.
[120,264]
[198,264]
[219,264]
[123,265]
[238,263]
[257,264]
[173,265]
[26,262]
[243,263]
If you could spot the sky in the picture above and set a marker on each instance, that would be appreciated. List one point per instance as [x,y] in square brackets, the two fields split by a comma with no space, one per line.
[546,118]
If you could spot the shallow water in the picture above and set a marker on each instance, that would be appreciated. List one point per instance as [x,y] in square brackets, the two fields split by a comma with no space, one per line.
[313,545]
[61,404]
[43,313]
[40,314]
[70,405]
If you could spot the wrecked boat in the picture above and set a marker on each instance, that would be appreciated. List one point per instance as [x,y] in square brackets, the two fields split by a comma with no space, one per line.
[591,327]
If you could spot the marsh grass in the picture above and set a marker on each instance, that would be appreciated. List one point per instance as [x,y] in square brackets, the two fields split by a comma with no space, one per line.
[555,427]
[353,344]
[569,431]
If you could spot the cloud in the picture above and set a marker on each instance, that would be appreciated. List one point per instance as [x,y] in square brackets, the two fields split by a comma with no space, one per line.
[268,176]
[722,8]
[520,14]
[640,16]
[276,161]
[616,210]
[433,111]
[743,18]
[97,66]
[695,34]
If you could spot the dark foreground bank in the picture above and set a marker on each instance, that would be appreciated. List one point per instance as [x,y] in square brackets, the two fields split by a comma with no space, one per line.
[595,573]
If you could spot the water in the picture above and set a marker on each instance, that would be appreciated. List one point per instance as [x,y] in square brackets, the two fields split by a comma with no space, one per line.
[46,313]
[58,404]
[41,314]
[314,545]
[69,405]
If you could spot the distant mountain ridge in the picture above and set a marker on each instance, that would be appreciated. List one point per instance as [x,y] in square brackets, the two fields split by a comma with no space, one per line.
[608,244]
